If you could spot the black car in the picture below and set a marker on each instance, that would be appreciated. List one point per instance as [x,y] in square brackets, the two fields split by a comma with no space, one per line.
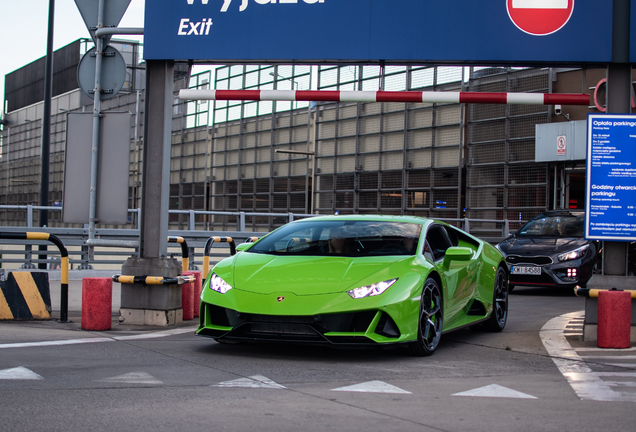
[550,251]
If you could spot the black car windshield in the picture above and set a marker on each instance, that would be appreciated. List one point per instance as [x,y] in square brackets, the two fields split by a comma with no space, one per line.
[343,238]
[568,225]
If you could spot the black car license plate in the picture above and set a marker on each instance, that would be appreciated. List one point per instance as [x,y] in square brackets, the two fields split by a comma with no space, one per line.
[526,270]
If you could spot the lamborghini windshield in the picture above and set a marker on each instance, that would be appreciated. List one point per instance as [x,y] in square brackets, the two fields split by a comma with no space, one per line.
[344,238]
[554,226]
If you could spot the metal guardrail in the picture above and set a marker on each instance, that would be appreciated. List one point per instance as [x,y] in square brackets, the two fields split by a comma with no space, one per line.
[208,246]
[185,251]
[20,253]
[153,280]
[593,293]
[120,244]
[192,214]
[30,237]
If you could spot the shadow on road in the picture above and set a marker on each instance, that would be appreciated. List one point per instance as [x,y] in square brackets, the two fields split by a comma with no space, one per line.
[304,352]
[542,292]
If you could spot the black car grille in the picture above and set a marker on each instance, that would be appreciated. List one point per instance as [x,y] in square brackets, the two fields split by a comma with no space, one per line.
[542,279]
[295,328]
[536,260]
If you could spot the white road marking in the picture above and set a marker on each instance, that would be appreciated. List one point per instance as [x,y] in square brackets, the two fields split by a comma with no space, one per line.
[149,335]
[133,378]
[56,343]
[372,387]
[621,383]
[606,349]
[160,334]
[623,365]
[617,374]
[19,373]
[495,391]
[586,383]
[255,381]
[611,357]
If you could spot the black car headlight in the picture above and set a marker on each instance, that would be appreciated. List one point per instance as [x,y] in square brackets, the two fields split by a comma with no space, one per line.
[574,254]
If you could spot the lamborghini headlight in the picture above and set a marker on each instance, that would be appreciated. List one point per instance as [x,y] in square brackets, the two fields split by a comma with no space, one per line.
[219,285]
[575,254]
[371,290]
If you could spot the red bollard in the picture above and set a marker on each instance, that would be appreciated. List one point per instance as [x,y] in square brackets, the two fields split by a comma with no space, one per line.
[614,319]
[196,292]
[187,299]
[97,303]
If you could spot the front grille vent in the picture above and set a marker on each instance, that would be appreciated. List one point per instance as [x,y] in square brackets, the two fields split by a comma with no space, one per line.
[536,260]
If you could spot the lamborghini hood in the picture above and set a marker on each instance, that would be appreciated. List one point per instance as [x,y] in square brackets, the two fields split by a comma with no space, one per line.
[302,275]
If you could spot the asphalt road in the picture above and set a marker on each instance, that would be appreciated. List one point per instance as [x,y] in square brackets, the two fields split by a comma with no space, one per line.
[127,380]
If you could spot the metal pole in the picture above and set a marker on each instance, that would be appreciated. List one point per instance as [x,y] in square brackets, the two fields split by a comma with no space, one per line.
[46,129]
[99,48]
[155,184]
[8,155]
[619,88]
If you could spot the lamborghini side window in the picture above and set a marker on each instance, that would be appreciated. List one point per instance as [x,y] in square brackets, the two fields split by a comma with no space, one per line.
[452,235]
[428,253]
[438,241]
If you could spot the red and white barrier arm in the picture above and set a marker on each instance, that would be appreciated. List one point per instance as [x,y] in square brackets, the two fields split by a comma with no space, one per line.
[389,96]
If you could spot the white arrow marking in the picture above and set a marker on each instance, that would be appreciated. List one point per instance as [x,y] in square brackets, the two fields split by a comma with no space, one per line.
[495,390]
[19,373]
[372,387]
[133,378]
[255,381]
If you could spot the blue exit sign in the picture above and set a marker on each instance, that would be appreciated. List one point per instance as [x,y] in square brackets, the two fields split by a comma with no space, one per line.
[439,31]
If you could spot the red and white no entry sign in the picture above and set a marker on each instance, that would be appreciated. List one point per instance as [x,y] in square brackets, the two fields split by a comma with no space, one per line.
[540,17]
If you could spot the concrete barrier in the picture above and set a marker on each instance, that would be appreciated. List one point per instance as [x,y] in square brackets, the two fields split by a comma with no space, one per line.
[25,296]
[196,292]
[187,300]
[590,327]
[97,301]
[614,316]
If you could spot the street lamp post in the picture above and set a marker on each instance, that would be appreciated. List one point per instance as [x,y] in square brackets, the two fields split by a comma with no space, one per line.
[46,131]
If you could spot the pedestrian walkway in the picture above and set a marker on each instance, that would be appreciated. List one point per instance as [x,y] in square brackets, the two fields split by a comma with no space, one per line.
[594,373]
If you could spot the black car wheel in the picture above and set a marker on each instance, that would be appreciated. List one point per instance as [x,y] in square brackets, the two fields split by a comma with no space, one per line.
[430,320]
[499,315]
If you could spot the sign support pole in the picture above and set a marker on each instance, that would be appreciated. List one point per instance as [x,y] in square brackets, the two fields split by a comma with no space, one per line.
[619,90]
[99,51]
[619,82]
[154,304]
[619,85]
[155,192]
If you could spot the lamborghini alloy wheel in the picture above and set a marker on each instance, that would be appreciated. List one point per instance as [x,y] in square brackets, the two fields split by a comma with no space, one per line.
[430,320]
[499,316]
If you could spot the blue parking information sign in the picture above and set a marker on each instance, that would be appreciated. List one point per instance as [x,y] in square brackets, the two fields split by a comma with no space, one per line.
[611,177]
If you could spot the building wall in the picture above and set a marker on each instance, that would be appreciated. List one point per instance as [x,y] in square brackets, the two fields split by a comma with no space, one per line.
[502,179]
[21,148]
[436,160]
[25,86]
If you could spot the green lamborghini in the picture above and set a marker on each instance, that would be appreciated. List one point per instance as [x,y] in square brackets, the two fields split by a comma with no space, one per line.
[356,280]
